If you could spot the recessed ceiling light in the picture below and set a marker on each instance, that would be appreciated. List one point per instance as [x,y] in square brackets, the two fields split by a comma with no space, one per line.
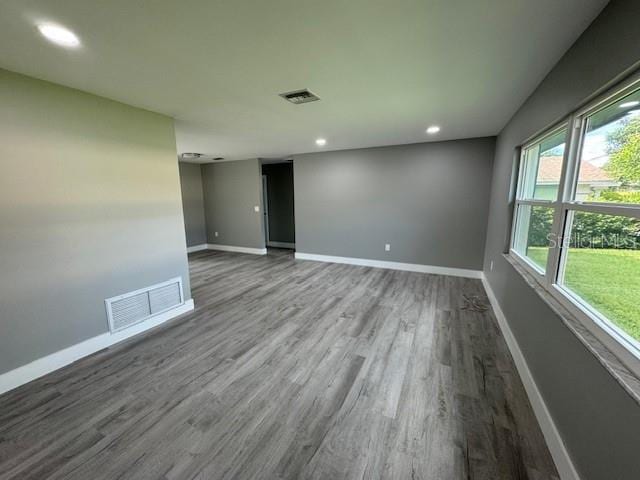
[59,35]
[629,104]
[433,129]
[321,142]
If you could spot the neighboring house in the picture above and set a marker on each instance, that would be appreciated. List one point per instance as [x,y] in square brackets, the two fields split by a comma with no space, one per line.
[591,182]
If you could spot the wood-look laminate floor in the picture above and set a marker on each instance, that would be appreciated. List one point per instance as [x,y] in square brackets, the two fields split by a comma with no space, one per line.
[288,370]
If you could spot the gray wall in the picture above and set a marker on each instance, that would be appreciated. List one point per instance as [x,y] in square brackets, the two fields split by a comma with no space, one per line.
[193,204]
[231,190]
[428,200]
[599,422]
[280,198]
[89,208]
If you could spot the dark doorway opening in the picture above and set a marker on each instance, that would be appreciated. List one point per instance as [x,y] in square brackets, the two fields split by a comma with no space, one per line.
[279,210]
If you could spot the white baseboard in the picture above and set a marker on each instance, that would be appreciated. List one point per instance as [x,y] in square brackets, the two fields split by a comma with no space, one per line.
[561,457]
[233,248]
[197,248]
[410,267]
[281,244]
[61,358]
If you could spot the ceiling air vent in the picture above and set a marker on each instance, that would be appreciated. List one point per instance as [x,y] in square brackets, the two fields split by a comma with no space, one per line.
[300,96]
[190,155]
[131,308]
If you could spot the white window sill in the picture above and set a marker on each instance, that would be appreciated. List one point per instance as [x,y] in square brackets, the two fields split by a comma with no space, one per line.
[616,367]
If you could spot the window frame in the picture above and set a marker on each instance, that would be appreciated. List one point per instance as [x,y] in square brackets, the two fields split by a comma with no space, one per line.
[530,266]
[613,337]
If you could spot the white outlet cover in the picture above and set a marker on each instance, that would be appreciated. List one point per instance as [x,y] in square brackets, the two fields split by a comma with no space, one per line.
[387,247]
[256,208]
[215,233]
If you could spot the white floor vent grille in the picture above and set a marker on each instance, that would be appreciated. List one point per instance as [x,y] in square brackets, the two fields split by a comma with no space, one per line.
[131,308]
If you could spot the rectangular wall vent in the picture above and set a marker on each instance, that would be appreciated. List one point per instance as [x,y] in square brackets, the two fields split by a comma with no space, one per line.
[300,96]
[131,308]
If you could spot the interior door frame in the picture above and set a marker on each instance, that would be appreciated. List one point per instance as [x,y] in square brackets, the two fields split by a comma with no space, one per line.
[265,209]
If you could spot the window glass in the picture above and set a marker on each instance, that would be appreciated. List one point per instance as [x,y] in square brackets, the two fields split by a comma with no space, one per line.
[602,267]
[542,167]
[609,168]
[533,233]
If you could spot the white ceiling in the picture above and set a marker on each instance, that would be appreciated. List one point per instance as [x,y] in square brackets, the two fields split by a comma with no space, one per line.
[385,69]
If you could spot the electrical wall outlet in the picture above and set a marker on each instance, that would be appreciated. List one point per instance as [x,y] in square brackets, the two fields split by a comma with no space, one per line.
[491,266]
[387,247]
[215,234]
[256,208]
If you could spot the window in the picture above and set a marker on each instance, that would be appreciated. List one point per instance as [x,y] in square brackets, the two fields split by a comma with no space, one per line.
[602,267]
[533,231]
[577,215]
[609,168]
[541,167]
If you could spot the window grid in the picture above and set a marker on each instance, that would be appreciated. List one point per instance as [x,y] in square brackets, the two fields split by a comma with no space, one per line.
[565,205]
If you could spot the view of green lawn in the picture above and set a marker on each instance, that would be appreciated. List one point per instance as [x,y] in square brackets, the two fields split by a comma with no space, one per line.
[608,279]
